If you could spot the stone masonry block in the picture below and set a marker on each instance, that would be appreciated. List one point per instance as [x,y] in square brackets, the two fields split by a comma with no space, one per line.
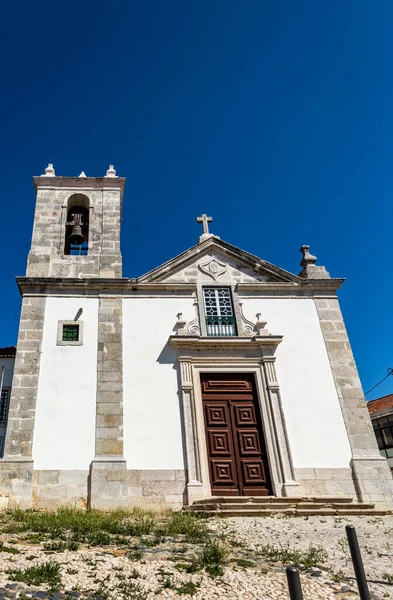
[47,477]
[109,447]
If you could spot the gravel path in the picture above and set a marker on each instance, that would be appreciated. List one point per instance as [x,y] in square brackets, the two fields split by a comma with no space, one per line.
[116,574]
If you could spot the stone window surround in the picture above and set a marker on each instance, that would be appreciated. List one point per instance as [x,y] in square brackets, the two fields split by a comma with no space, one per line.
[61,342]
[273,422]
[235,305]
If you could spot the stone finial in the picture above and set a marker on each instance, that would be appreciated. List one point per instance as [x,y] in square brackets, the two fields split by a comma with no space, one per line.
[180,324]
[111,172]
[310,269]
[83,174]
[49,171]
[308,258]
[260,326]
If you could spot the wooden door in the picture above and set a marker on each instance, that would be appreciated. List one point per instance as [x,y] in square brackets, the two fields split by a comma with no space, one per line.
[236,448]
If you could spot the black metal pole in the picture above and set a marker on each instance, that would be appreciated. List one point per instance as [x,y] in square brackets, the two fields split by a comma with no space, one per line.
[357,562]
[294,585]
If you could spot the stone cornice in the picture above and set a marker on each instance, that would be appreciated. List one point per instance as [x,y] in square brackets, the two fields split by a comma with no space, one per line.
[309,284]
[119,286]
[240,343]
[87,183]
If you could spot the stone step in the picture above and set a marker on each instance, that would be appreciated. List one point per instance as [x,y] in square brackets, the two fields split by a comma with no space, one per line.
[295,512]
[232,506]
[282,506]
[274,499]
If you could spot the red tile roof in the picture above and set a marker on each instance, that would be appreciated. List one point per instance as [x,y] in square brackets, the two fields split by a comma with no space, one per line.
[380,404]
[8,352]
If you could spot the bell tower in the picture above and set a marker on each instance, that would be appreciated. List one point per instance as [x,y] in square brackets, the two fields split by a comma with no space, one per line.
[76,229]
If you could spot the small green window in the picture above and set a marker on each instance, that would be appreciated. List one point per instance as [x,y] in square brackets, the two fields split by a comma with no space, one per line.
[70,333]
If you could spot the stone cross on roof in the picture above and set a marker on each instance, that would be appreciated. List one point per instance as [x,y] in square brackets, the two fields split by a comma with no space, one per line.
[204,219]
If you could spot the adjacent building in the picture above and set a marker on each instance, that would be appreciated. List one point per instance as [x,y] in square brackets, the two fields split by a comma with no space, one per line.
[381,413]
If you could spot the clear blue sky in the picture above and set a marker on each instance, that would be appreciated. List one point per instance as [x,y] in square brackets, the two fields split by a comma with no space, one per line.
[273,117]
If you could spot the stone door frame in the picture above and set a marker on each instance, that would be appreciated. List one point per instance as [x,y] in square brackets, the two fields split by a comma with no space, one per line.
[269,400]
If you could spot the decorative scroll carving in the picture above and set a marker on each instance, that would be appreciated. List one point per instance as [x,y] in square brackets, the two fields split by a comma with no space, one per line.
[214,268]
[249,329]
[193,328]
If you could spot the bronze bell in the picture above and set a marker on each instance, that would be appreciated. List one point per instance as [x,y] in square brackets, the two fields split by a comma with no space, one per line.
[76,238]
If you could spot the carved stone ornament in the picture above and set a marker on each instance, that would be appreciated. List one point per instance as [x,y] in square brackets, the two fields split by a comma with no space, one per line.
[248,327]
[214,268]
[191,328]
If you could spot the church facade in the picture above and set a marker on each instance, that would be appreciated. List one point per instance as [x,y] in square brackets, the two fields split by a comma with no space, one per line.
[216,374]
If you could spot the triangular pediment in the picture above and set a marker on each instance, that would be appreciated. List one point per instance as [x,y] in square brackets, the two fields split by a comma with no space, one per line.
[215,261]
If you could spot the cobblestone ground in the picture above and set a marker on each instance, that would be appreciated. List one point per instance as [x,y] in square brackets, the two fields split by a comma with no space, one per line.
[254,567]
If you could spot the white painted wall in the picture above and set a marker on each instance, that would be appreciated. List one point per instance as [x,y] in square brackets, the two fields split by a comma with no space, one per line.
[152,423]
[64,436]
[312,411]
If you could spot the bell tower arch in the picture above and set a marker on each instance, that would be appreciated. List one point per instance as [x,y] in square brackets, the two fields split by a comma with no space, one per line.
[76,230]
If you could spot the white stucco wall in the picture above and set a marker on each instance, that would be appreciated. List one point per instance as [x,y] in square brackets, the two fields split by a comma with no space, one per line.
[152,424]
[64,436]
[312,411]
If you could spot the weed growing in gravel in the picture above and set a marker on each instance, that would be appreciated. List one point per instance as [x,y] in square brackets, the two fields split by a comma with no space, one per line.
[242,562]
[212,558]
[338,575]
[48,573]
[314,556]
[189,587]
[8,549]
[343,545]
[101,529]
[60,546]
[132,591]
[388,578]
[135,554]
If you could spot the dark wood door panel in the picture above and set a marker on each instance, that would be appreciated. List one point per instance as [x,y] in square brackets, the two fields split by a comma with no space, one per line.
[244,414]
[235,442]
[219,443]
[224,473]
[248,442]
[217,414]
[232,386]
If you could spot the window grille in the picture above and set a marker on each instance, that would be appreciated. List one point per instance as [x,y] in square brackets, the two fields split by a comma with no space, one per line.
[5,396]
[70,333]
[220,320]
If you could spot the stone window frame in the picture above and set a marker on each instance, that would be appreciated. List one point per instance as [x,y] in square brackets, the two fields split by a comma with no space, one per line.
[61,342]
[235,306]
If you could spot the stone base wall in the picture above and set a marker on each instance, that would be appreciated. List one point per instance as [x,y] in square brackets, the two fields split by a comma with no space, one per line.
[104,489]
[52,489]
[326,482]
